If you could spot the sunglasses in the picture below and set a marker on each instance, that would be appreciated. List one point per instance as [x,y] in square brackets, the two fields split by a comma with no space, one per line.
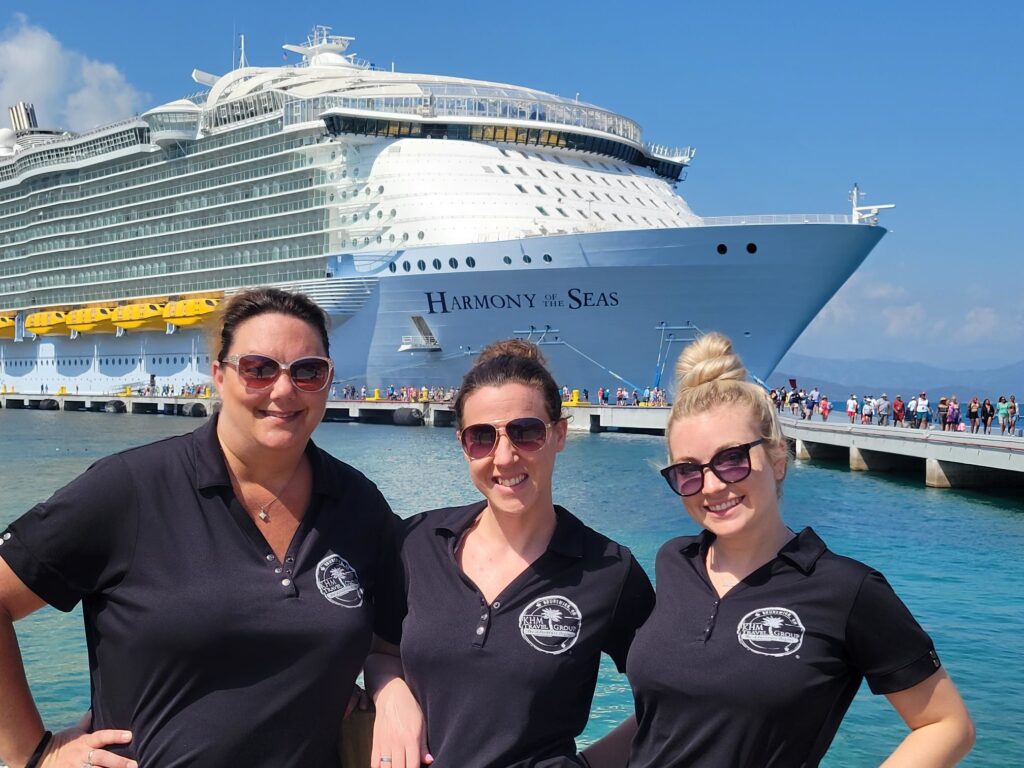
[308,374]
[730,465]
[481,440]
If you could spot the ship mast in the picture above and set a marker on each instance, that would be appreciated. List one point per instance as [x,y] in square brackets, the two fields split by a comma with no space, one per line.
[866,214]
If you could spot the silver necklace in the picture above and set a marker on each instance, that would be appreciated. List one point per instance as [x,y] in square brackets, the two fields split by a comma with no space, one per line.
[262,514]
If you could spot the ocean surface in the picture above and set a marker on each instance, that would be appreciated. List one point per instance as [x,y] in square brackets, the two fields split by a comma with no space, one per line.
[956,558]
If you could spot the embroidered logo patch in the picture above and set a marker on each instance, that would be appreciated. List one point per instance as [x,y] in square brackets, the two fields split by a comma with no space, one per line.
[339,582]
[771,632]
[551,624]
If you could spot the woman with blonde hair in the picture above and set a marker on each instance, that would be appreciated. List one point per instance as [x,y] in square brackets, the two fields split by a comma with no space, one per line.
[761,635]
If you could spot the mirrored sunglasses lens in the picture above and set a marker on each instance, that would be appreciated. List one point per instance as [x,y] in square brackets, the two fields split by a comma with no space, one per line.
[688,480]
[258,371]
[310,374]
[528,434]
[732,465]
[478,440]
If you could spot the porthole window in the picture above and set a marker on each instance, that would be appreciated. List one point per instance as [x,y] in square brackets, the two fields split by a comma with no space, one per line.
[722,249]
[393,211]
[380,214]
[380,190]
[406,266]
[507,259]
[436,263]
[366,216]
[527,259]
[332,197]
[453,263]
[751,248]
[344,174]
[419,235]
[344,218]
[470,262]
[366,241]
[421,265]
[405,236]
[391,237]
[392,267]
[379,239]
[344,195]
[547,257]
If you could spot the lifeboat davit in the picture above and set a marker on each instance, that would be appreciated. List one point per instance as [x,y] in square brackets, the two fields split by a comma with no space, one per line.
[148,316]
[189,312]
[46,323]
[6,327]
[91,320]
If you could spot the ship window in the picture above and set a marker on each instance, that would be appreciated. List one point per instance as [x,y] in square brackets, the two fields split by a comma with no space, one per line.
[630,217]
[581,213]
[453,263]
[405,236]
[560,191]
[521,188]
[391,237]
[421,265]
[488,169]
[722,249]
[577,193]
[419,235]
[436,263]
[507,259]
[503,151]
[405,266]
[470,262]
[541,171]
[392,268]
[380,190]
[527,259]
[587,163]
[576,177]
[609,197]
[617,217]
[547,257]
[598,214]
[503,169]
[561,211]
[540,189]
[522,170]
[366,241]
[379,239]
[751,248]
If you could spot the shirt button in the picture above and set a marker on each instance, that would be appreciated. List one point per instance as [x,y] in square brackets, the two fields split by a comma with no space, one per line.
[270,557]
[279,569]
[483,617]
[479,630]
[7,536]
[286,582]
[496,605]
[289,559]
[288,571]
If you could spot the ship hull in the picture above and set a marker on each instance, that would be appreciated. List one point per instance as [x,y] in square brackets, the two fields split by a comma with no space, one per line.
[609,309]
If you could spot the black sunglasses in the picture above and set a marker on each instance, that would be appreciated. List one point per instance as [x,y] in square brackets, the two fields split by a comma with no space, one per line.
[309,374]
[481,440]
[730,465]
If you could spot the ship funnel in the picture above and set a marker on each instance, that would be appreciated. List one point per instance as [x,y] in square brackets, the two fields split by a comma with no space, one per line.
[23,116]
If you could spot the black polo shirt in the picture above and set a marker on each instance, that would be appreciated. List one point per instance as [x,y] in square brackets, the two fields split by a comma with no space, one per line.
[763,676]
[200,641]
[509,685]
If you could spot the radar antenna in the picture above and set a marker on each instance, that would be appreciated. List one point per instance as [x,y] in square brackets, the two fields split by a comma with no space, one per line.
[865,214]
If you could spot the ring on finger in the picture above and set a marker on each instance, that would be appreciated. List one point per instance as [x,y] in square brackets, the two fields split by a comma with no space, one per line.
[89,758]
[385,760]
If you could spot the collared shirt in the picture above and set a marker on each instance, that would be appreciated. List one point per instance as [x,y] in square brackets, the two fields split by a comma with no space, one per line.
[508,684]
[207,647]
[763,676]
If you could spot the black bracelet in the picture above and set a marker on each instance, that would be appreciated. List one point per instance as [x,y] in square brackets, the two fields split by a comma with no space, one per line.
[37,756]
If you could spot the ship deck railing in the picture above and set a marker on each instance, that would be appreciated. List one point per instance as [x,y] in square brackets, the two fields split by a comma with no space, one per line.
[777,218]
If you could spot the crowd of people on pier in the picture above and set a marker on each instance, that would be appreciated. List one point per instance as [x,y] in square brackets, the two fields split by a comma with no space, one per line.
[236,580]
[947,413]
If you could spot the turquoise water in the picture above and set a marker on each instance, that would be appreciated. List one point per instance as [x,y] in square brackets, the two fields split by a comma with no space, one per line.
[954,557]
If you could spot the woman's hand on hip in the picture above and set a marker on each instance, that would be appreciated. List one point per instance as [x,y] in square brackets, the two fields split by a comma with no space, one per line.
[79,747]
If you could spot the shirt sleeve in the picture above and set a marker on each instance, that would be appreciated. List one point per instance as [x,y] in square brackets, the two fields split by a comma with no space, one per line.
[81,540]
[886,643]
[636,601]
[389,594]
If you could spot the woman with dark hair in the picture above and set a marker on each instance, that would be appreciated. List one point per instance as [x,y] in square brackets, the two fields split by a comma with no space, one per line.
[761,636]
[228,577]
[988,412]
[510,600]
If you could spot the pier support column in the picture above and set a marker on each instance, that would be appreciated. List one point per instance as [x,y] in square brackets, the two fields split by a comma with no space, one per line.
[800,450]
[863,460]
[949,474]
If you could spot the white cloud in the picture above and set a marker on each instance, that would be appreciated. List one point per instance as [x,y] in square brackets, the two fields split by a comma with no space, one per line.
[979,323]
[68,89]
[882,291]
[910,321]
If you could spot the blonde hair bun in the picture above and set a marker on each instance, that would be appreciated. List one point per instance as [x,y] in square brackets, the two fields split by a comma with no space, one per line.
[709,358]
[510,348]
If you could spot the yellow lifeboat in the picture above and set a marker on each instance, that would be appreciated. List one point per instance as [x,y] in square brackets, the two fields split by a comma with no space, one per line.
[131,317]
[91,320]
[187,312]
[6,327]
[46,323]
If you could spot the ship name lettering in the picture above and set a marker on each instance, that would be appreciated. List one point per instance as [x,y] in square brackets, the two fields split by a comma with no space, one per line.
[579,298]
[441,303]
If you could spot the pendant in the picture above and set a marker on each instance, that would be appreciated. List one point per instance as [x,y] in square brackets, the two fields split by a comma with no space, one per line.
[263,515]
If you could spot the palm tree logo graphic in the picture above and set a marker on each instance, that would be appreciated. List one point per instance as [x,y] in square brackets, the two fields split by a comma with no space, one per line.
[551,624]
[551,615]
[772,623]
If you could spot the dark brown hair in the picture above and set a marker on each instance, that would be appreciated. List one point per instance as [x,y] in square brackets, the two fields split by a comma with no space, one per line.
[259,301]
[511,361]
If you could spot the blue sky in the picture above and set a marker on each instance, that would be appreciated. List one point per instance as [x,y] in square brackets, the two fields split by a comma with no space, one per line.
[787,104]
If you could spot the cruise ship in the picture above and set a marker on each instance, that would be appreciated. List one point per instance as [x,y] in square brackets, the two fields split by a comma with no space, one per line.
[428,215]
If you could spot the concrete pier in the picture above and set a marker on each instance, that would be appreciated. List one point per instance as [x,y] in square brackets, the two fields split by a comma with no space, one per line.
[941,459]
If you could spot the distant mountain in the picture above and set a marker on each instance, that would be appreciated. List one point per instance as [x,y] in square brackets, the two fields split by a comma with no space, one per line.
[897,378]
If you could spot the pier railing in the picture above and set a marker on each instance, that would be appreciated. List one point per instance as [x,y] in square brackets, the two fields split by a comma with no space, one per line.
[777,218]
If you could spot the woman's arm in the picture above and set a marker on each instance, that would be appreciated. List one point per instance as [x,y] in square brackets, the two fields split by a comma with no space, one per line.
[612,749]
[21,727]
[941,729]
[399,730]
